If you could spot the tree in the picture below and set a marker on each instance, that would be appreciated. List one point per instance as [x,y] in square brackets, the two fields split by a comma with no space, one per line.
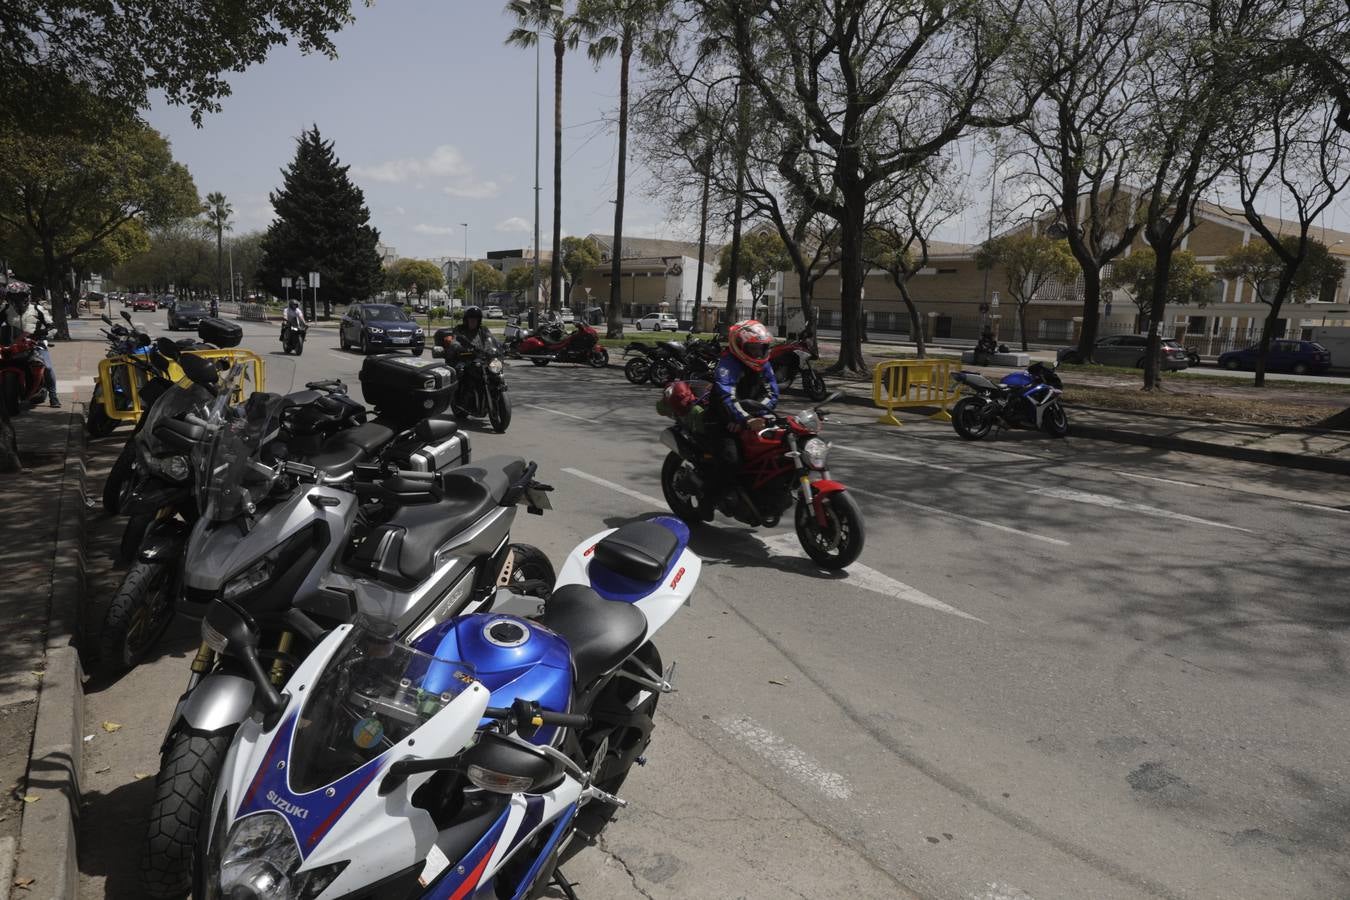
[578,255]
[1030,262]
[124,51]
[246,256]
[485,279]
[611,27]
[176,254]
[533,18]
[520,279]
[415,275]
[323,225]
[762,258]
[864,92]
[1187,281]
[63,195]
[218,214]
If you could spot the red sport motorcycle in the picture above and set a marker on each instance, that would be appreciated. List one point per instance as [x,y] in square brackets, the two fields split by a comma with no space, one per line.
[792,359]
[756,476]
[22,375]
[550,344]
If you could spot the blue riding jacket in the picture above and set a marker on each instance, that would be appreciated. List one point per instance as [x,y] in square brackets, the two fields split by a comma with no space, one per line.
[728,378]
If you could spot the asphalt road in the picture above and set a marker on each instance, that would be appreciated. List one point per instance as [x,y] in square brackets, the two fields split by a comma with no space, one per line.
[1062,669]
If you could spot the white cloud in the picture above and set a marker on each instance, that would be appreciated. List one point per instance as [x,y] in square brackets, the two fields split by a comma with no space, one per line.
[399,211]
[513,224]
[434,229]
[444,162]
[473,189]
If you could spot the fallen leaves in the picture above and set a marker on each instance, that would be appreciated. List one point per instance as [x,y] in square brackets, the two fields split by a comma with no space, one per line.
[110,727]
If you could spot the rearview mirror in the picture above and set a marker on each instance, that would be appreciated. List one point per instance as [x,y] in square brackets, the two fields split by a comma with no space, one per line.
[168,348]
[200,371]
[229,630]
[105,318]
[126,315]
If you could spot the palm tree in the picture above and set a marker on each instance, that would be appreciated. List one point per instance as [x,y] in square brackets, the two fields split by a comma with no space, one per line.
[612,26]
[535,17]
[218,213]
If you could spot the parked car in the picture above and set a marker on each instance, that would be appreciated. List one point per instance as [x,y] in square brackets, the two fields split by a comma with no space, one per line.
[185,315]
[567,317]
[144,301]
[657,322]
[1128,351]
[380,326]
[166,301]
[1299,357]
[493,312]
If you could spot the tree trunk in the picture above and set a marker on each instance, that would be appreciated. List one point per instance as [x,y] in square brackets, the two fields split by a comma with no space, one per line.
[915,326]
[555,269]
[615,329]
[1022,325]
[851,270]
[51,277]
[734,266]
[1157,308]
[702,243]
[1092,298]
[1268,327]
[220,271]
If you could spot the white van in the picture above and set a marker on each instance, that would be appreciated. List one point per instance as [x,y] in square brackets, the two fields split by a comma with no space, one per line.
[1336,340]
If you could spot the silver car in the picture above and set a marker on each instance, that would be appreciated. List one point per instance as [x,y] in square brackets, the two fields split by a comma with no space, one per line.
[1128,351]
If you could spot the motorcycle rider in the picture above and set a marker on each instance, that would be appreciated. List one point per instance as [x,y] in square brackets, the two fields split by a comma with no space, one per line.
[742,367]
[22,316]
[294,318]
[470,331]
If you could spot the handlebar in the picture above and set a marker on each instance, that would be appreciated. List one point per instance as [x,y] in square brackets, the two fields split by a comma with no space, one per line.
[528,713]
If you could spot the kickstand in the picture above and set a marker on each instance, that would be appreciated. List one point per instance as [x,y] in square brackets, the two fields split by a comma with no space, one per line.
[564,885]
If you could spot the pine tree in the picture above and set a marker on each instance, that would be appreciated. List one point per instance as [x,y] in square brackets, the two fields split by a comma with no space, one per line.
[322,225]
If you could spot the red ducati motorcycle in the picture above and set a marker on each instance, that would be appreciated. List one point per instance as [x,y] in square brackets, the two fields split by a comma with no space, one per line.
[22,376]
[550,344]
[779,467]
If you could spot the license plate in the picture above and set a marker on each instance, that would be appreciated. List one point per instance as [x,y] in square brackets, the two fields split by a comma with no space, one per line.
[537,499]
[402,340]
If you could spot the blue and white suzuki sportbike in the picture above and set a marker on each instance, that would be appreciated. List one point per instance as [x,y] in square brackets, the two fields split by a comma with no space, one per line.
[458,763]
[1029,399]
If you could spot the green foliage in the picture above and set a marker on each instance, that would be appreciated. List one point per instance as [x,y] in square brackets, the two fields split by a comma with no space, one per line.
[763,256]
[416,275]
[180,254]
[578,255]
[323,225]
[122,51]
[1029,261]
[1259,265]
[521,278]
[437,313]
[484,278]
[1187,281]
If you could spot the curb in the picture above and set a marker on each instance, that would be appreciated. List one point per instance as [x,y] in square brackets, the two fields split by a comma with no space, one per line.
[1221,451]
[47,836]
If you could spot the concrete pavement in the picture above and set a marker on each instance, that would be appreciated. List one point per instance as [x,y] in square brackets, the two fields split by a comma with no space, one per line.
[1062,669]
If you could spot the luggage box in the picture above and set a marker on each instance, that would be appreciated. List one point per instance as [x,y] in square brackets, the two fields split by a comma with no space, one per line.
[219,332]
[407,388]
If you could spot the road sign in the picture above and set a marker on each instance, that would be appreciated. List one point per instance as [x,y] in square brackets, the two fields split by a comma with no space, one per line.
[300,282]
[285,281]
[313,279]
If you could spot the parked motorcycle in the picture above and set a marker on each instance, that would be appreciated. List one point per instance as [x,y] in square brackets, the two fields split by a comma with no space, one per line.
[293,338]
[551,344]
[792,359]
[481,392]
[638,370]
[22,375]
[1192,357]
[1030,399]
[756,476]
[460,763]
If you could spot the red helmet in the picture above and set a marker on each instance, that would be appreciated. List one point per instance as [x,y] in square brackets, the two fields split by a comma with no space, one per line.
[749,342]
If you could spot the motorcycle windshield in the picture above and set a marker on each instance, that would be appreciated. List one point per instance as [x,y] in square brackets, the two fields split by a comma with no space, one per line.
[374,692]
[230,480]
[182,398]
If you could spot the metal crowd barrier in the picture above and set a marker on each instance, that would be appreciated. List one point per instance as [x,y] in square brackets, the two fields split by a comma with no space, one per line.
[903,383]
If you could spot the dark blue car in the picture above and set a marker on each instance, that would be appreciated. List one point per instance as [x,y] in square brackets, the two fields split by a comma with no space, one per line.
[1299,357]
[380,327]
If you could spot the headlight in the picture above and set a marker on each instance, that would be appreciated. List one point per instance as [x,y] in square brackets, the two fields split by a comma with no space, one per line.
[260,859]
[373,330]
[254,576]
[176,467]
[809,420]
[814,452]
[417,333]
[495,366]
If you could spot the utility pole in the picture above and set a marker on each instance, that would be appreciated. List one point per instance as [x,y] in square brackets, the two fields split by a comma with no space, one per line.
[534,301]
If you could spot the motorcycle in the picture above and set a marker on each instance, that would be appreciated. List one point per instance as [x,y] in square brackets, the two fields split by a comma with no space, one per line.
[459,763]
[772,469]
[1030,399]
[1192,357]
[481,392]
[293,338]
[985,348]
[551,344]
[793,358]
[22,375]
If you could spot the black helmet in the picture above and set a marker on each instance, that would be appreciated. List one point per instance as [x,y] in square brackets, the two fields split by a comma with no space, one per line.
[473,312]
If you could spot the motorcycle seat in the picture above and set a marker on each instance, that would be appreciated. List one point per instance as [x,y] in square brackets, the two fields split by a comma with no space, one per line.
[304,398]
[642,551]
[345,449]
[601,633]
[435,429]
[495,475]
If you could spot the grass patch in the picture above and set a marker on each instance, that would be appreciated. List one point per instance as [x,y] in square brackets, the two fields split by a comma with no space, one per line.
[1251,410]
[1190,376]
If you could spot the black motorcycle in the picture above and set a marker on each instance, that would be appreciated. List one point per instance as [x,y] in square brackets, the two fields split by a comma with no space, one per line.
[293,338]
[481,392]
[1030,399]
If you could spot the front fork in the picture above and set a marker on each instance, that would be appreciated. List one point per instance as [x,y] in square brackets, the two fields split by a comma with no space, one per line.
[204,661]
[804,492]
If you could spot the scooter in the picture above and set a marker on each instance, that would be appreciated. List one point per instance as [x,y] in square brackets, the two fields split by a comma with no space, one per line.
[460,763]
[581,345]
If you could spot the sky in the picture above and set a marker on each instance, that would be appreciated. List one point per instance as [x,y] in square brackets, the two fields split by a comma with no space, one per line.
[435,116]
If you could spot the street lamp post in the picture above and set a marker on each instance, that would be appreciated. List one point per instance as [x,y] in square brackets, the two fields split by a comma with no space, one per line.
[468,301]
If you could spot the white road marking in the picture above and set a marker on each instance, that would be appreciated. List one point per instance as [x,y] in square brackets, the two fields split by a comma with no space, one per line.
[1129,506]
[1031,535]
[904,459]
[785,756]
[618,488]
[558,412]
[1218,487]
[1163,480]
[995,891]
[869,579]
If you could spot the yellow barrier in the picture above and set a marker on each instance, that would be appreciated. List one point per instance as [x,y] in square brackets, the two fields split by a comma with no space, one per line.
[134,379]
[902,383]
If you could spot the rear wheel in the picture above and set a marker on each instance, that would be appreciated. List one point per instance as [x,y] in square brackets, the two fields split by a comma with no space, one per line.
[539,362]
[599,358]
[531,571]
[638,370]
[682,498]
[969,420]
[1232,365]
[1055,422]
[183,788]
[838,542]
[140,612]
[117,488]
[499,410]
[1300,369]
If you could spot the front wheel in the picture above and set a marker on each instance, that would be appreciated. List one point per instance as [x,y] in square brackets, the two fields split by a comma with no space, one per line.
[599,358]
[969,420]
[638,370]
[11,395]
[539,362]
[140,612]
[117,488]
[418,351]
[838,542]
[98,423]
[183,788]
[682,497]
[499,411]
[1056,422]
[814,385]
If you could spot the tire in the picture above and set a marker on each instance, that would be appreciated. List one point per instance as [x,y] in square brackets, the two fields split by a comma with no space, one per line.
[132,536]
[638,370]
[499,411]
[117,487]
[679,503]
[1232,365]
[11,395]
[814,385]
[418,351]
[967,421]
[365,344]
[532,565]
[342,341]
[1055,422]
[183,788]
[599,358]
[663,373]
[299,347]
[1139,363]
[1300,369]
[98,423]
[539,362]
[140,612]
[842,545]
